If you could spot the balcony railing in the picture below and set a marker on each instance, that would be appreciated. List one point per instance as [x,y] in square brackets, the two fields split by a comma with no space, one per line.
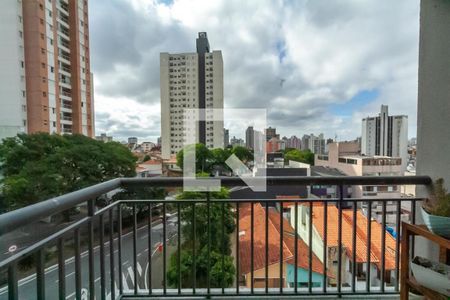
[109,251]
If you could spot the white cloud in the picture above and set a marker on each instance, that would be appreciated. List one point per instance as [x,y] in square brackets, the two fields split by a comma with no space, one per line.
[333,51]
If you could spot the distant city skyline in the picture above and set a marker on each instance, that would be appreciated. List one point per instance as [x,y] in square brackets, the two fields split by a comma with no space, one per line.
[311,76]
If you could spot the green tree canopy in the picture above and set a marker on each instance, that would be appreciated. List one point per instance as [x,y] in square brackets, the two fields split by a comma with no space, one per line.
[203,157]
[221,225]
[304,156]
[39,166]
[242,153]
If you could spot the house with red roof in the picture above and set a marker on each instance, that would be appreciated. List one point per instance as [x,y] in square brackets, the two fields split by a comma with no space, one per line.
[360,247]
[274,259]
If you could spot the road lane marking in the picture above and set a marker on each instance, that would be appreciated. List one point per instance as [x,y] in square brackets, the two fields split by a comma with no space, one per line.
[70,260]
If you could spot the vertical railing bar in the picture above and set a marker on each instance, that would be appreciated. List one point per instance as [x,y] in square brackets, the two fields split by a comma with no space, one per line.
[237,248]
[266,275]
[91,249]
[339,274]
[413,212]
[354,225]
[194,246]
[77,264]
[164,249]
[102,258]
[223,247]
[120,249]
[13,291]
[369,240]
[281,248]
[252,240]
[61,270]
[296,248]
[383,245]
[310,254]
[150,247]
[40,275]
[397,246]
[208,268]
[111,255]
[325,247]
[179,246]
[135,250]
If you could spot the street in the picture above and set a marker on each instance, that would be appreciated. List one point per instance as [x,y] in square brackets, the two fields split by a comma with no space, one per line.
[27,286]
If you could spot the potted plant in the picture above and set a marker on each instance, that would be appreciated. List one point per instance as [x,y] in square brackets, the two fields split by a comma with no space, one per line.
[436,210]
[433,275]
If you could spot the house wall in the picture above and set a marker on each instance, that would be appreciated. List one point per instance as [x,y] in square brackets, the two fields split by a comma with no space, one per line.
[274,273]
[303,276]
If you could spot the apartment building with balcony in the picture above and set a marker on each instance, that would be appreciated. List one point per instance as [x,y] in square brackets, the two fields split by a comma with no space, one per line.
[385,135]
[45,77]
[191,80]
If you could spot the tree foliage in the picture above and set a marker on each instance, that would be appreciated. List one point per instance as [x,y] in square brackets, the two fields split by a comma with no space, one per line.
[206,159]
[39,166]
[203,157]
[304,156]
[221,224]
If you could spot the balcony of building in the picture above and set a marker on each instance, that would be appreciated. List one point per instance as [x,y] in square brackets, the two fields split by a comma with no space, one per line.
[144,248]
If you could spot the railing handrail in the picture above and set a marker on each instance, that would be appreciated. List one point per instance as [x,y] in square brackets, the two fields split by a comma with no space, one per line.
[17,218]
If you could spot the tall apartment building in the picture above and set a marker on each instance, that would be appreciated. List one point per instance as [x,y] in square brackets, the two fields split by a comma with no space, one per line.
[316,144]
[190,81]
[45,79]
[226,137]
[271,132]
[250,138]
[385,136]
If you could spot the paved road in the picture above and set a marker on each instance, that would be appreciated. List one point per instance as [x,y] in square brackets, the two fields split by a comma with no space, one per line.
[27,286]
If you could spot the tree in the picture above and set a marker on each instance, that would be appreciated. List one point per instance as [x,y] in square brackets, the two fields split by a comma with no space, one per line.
[146,158]
[242,153]
[39,166]
[304,156]
[221,274]
[221,224]
[203,157]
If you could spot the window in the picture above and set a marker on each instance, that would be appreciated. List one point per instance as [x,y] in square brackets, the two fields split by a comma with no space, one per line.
[45,95]
[20,19]
[42,51]
[22,64]
[52,69]
[42,36]
[43,65]
[23,93]
[20,34]
[24,108]
[42,21]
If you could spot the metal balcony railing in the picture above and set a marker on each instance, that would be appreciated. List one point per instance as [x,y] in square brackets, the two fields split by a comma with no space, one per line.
[109,252]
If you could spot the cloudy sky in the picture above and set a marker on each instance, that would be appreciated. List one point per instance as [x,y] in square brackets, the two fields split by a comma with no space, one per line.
[316,66]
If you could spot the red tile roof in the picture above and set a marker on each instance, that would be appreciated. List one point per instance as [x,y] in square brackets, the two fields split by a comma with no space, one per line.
[259,249]
[361,234]
[151,162]
[302,248]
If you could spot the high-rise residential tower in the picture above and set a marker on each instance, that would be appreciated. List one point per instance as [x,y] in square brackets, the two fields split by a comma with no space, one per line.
[45,78]
[385,136]
[250,138]
[191,81]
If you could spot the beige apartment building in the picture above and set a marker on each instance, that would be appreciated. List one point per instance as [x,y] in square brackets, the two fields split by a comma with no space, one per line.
[191,81]
[346,158]
[45,80]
